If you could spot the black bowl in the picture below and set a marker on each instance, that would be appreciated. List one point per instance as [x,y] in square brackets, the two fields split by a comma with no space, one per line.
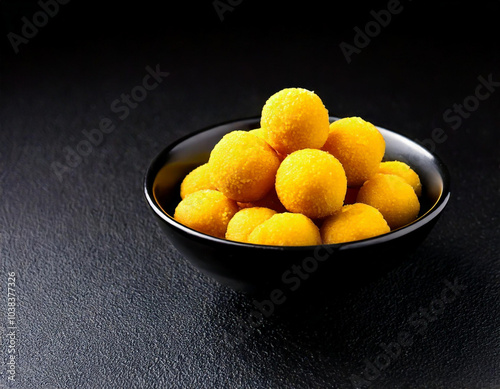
[256,268]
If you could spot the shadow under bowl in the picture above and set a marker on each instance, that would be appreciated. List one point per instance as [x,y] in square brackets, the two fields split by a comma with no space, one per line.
[258,268]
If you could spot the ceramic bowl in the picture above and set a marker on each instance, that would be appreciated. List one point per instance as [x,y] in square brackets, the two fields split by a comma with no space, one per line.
[253,268]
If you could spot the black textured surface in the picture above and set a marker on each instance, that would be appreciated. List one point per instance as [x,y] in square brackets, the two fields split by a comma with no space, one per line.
[104,301]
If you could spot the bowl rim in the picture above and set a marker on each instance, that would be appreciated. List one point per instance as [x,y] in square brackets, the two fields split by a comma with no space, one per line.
[434,211]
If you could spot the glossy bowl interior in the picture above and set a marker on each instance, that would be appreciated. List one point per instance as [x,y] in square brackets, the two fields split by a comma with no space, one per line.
[256,268]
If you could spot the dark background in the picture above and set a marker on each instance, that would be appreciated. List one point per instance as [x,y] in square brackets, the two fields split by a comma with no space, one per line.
[103,299]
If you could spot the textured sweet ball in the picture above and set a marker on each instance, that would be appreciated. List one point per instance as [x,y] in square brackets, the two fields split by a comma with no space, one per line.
[404,171]
[311,182]
[197,179]
[207,211]
[294,119]
[358,145]
[243,166]
[353,222]
[286,229]
[257,132]
[245,221]
[393,197]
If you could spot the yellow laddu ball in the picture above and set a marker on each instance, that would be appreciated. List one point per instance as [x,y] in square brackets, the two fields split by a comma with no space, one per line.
[353,222]
[286,229]
[207,211]
[404,171]
[243,166]
[294,119]
[197,179]
[245,221]
[311,182]
[358,145]
[393,197]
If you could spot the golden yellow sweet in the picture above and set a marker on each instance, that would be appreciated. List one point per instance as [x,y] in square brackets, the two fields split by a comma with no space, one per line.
[245,221]
[404,171]
[207,211]
[294,119]
[257,132]
[358,145]
[243,166]
[311,182]
[393,197]
[353,222]
[286,229]
[197,179]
